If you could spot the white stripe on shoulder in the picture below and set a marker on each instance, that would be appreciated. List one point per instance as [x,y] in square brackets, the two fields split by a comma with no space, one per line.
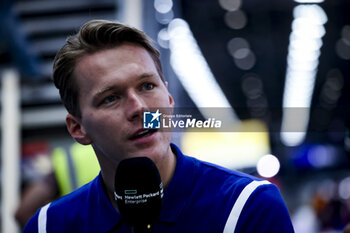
[239,204]
[42,218]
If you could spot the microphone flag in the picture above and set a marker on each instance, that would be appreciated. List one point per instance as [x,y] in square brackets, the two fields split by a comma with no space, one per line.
[138,191]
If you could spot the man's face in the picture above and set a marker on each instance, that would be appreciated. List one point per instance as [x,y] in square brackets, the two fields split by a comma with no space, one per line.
[115,86]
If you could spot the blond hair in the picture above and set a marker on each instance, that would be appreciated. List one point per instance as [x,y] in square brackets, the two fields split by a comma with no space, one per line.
[94,36]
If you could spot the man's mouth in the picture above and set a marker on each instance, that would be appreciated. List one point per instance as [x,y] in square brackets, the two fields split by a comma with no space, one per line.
[142,133]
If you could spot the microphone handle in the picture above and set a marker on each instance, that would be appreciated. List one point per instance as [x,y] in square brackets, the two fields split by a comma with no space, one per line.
[141,229]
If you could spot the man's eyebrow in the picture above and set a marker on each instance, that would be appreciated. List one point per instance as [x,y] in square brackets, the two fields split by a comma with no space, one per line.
[147,75]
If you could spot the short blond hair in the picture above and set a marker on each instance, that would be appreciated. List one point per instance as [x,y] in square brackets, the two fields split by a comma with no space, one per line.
[94,36]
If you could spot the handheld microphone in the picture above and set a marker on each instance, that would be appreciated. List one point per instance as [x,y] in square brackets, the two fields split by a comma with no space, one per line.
[138,192]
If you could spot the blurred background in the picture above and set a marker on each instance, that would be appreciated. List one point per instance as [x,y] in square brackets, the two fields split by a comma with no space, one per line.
[280,67]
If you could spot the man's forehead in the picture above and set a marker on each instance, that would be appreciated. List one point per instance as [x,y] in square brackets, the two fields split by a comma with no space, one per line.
[124,61]
[109,56]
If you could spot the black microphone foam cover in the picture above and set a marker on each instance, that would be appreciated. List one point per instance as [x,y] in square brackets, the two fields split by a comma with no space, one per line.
[138,191]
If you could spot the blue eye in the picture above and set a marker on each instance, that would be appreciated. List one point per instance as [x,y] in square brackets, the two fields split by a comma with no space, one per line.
[109,99]
[147,86]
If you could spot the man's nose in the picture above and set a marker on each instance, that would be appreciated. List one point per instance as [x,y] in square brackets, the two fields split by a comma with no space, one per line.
[134,106]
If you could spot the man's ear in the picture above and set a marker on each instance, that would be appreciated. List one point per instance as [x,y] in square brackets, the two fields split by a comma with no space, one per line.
[171,99]
[76,130]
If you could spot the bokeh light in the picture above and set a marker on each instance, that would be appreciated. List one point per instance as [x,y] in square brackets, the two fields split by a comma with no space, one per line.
[268,166]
